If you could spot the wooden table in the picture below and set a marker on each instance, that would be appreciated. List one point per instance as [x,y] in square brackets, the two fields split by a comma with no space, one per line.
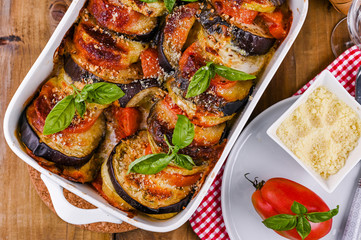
[25,29]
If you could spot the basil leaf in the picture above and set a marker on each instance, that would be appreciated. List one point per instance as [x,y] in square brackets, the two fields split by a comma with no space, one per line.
[183,133]
[80,105]
[60,116]
[184,161]
[149,1]
[169,4]
[189,0]
[298,208]
[101,93]
[232,74]
[151,163]
[303,227]
[318,217]
[281,222]
[200,81]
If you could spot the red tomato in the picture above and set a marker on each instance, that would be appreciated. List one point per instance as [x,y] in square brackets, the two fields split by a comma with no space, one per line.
[127,120]
[277,195]
[150,63]
[222,82]
[235,11]
[275,24]
[172,106]
[191,60]
[148,150]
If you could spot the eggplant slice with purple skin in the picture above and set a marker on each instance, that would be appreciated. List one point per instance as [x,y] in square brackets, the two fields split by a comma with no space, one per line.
[69,153]
[147,193]
[40,149]
[251,43]
[174,35]
[133,88]
[77,73]
[77,169]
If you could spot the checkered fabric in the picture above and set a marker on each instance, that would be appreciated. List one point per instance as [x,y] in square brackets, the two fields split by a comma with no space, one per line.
[207,221]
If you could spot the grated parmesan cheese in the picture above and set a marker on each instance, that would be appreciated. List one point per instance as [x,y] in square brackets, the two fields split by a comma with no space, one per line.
[321,132]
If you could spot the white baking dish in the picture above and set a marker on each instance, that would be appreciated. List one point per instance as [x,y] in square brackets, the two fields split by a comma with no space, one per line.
[105,212]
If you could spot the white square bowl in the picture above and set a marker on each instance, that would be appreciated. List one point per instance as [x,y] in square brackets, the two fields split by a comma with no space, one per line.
[105,212]
[327,80]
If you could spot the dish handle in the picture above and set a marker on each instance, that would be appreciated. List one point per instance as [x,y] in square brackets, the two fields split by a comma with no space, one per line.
[71,214]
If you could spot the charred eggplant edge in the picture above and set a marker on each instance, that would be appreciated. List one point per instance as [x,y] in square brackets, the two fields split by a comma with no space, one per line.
[40,149]
[177,207]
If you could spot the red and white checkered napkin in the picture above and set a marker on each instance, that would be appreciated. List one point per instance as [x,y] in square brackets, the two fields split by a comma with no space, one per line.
[207,222]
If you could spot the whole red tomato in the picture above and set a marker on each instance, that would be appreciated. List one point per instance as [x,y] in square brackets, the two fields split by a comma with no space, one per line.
[277,195]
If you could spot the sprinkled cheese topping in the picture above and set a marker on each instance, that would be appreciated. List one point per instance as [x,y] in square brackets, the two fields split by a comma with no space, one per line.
[322,132]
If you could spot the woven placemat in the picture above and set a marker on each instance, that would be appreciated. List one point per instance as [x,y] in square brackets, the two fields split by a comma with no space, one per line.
[103,227]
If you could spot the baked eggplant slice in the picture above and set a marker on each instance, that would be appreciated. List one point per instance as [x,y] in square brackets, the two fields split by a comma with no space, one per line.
[123,19]
[216,105]
[174,35]
[153,9]
[200,109]
[112,58]
[210,108]
[168,191]
[144,101]
[133,88]
[220,49]
[116,118]
[40,149]
[250,43]
[70,149]
[259,17]
[77,73]
[206,143]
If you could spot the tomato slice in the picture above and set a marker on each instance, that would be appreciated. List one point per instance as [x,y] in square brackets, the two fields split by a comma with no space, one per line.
[235,11]
[172,106]
[222,82]
[148,150]
[150,63]
[191,60]
[179,180]
[275,24]
[127,121]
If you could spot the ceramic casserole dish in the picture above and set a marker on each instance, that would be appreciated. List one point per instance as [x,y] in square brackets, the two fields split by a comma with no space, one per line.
[104,211]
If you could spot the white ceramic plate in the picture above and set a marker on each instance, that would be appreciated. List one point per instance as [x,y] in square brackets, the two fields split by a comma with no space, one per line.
[256,153]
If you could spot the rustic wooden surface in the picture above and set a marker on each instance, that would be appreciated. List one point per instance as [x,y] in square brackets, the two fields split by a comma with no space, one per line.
[24,30]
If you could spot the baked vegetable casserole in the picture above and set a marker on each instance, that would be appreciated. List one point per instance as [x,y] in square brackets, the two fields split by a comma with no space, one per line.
[143,93]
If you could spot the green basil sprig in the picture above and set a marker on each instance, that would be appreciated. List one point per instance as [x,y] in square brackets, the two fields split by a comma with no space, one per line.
[169,4]
[202,78]
[63,112]
[183,135]
[300,221]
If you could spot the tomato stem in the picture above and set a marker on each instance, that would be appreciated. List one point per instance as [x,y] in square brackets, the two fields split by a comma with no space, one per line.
[255,183]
